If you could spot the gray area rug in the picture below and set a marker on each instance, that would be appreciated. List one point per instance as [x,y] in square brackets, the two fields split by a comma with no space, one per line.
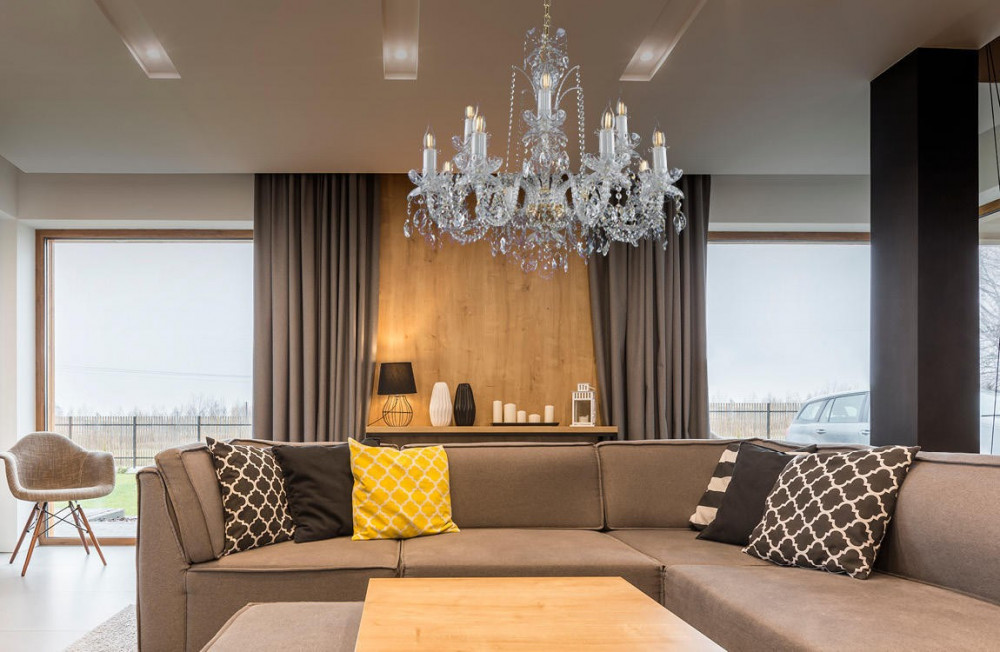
[116,634]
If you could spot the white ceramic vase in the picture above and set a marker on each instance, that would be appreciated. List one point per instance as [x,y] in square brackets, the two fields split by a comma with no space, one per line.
[440,408]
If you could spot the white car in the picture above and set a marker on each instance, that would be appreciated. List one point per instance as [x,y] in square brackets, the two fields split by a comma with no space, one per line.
[845,418]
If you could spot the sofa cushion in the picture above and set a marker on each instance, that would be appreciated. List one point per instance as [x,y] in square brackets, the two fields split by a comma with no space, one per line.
[195,498]
[304,626]
[773,608]
[400,494]
[947,524]
[831,512]
[333,570]
[318,482]
[525,485]
[680,546]
[528,553]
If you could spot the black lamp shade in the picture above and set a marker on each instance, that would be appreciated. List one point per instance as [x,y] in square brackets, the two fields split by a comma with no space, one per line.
[396,378]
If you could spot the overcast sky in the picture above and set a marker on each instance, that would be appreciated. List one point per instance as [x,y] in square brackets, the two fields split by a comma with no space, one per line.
[787,321]
[152,325]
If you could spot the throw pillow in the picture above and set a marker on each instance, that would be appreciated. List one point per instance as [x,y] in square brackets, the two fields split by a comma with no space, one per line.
[756,470]
[318,481]
[399,494]
[831,512]
[253,496]
[710,502]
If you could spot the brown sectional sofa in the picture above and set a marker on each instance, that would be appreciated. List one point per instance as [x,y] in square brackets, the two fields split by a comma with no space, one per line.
[617,508]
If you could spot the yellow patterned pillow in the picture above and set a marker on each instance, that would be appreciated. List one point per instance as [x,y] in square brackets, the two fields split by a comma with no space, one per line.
[400,494]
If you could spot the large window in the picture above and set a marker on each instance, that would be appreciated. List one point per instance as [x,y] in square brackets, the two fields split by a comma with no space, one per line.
[147,345]
[788,322]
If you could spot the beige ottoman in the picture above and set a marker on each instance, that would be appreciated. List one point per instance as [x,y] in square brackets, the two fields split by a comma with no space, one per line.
[305,626]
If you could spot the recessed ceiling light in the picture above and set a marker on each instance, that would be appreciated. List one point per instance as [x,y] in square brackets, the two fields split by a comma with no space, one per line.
[668,28]
[139,38]
[400,38]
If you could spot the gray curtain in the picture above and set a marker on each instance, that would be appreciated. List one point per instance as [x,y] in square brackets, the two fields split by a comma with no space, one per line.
[315,304]
[648,312]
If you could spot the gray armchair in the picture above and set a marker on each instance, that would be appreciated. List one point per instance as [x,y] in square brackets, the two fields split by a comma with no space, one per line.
[45,468]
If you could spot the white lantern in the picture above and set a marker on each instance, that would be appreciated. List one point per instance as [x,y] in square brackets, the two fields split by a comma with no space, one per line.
[584,406]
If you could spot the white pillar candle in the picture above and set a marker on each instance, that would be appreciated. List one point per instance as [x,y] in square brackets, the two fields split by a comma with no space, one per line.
[522,416]
[509,413]
[497,411]
[550,414]
[534,418]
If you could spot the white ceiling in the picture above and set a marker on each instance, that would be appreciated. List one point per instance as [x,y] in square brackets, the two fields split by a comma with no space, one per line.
[754,87]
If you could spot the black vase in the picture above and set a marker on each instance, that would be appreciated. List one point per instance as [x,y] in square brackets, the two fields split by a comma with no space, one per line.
[465,405]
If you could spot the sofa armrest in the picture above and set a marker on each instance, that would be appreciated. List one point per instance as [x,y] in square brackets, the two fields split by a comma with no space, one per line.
[161,568]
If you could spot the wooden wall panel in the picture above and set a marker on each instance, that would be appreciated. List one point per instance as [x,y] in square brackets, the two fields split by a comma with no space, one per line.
[459,315]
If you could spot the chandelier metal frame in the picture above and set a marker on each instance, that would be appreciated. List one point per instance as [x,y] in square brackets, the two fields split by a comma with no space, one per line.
[541,212]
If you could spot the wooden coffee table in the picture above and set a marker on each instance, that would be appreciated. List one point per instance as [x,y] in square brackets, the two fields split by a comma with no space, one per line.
[519,613]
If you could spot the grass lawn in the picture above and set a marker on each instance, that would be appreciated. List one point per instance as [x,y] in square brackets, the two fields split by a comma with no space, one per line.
[125,496]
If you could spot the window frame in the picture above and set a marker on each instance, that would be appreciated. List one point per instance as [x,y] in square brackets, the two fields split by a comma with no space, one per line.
[44,317]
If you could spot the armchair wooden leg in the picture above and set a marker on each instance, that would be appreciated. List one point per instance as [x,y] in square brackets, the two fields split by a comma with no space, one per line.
[27,526]
[79,528]
[35,536]
[90,531]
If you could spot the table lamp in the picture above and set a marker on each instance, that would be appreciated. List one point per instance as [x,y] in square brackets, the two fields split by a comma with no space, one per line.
[395,380]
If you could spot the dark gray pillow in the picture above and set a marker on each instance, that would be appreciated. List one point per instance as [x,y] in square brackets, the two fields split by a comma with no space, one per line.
[830,512]
[318,482]
[756,470]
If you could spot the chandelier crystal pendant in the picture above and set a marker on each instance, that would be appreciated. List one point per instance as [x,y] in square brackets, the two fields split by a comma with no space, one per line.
[537,210]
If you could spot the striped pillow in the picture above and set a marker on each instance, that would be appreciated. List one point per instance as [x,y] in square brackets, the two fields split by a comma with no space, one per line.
[709,504]
[707,507]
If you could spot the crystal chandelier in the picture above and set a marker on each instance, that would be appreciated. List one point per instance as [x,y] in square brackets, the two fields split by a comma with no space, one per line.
[537,210]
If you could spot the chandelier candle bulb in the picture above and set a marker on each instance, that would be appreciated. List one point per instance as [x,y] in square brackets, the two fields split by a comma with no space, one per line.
[545,96]
[606,136]
[621,121]
[497,411]
[522,416]
[510,413]
[479,137]
[659,152]
[470,117]
[550,414]
[430,154]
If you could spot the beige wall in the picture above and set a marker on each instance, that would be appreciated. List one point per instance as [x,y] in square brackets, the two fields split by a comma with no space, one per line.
[67,200]
[790,203]
[8,188]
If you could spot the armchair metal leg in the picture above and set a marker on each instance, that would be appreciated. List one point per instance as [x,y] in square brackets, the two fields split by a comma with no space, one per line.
[27,526]
[90,531]
[35,536]
[79,528]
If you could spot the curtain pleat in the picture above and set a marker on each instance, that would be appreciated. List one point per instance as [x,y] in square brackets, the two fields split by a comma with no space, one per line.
[315,304]
[648,313]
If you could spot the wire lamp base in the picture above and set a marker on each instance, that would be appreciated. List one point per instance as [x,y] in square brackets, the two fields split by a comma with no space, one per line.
[397,411]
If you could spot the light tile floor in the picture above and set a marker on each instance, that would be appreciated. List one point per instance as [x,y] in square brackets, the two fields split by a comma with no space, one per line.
[65,594]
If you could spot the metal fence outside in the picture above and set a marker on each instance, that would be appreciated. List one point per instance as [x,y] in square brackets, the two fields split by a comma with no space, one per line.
[767,420]
[134,441]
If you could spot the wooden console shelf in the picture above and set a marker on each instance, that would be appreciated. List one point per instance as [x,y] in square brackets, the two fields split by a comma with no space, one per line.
[469,434]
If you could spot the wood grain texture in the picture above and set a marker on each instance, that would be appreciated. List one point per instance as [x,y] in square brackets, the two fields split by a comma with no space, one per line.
[459,315]
[519,613]
[482,434]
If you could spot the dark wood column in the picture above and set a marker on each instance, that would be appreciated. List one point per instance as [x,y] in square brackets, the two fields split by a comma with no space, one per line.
[925,252]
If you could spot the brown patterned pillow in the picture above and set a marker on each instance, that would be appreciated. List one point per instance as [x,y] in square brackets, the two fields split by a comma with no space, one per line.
[830,512]
[253,496]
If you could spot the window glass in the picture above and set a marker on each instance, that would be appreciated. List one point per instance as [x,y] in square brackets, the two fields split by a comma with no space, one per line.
[846,409]
[810,412]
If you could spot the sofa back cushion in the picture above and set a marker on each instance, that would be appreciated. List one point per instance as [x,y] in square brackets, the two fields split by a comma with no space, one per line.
[525,485]
[947,524]
[658,483]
